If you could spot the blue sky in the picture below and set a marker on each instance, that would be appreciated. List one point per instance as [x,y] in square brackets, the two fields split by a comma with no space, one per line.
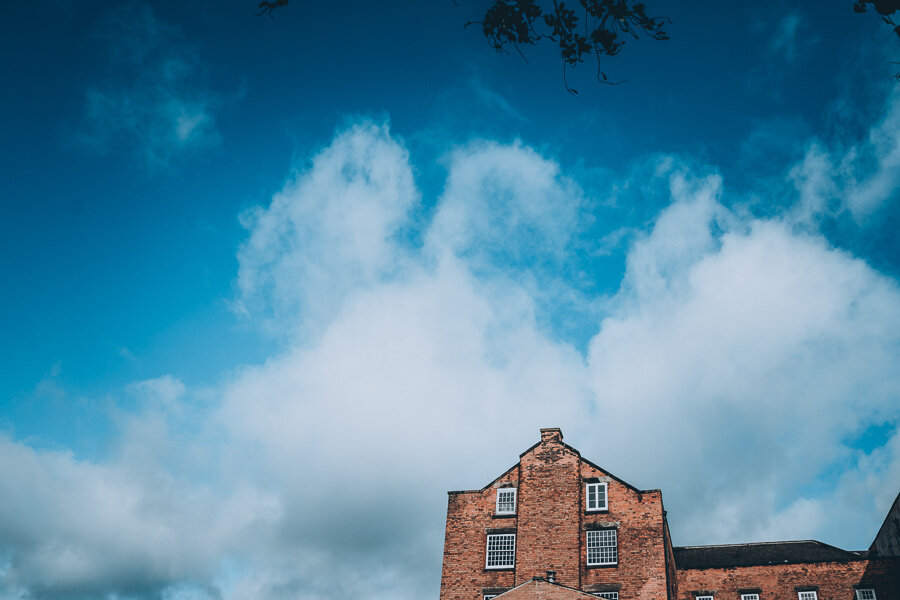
[272,286]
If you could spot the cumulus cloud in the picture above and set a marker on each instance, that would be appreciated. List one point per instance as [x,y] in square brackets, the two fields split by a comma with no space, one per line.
[75,529]
[733,368]
[872,167]
[732,337]
[857,178]
[505,205]
[330,231]
[764,350]
[155,102]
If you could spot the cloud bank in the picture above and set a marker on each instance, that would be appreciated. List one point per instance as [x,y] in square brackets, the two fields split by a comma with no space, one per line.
[737,367]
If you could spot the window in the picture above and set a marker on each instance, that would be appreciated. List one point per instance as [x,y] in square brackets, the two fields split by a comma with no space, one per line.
[506,501]
[749,596]
[501,551]
[595,496]
[601,547]
[609,595]
[865,594]
[489,596]
[808,596]
[703,598]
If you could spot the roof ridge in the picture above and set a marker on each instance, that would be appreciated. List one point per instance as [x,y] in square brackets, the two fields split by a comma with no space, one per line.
[538,579]
[759,544]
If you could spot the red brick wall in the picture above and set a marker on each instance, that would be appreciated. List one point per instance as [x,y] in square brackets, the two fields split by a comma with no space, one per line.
[549,513]
[550,525]
[641,571]
[835,580]
[469,517]
[671,574]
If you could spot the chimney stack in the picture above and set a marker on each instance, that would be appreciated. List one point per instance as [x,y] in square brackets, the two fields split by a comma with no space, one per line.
[551,434]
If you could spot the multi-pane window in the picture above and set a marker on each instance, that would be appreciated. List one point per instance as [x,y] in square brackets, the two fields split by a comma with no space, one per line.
[749,596]
[703,598]
[501,551]
[609,595]
[865,594]
[506,501]
[595,496]
[601,547]
[808,596]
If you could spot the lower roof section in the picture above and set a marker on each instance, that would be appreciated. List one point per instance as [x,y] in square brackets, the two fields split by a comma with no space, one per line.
[759,554]
[542,589]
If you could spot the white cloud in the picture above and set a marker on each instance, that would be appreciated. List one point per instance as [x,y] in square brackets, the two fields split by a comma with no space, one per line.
[871,186]
[859,178]
[731,337]
[329,232]
[155,102]
[76,529]
[763,352]
[731,370]
[505,205]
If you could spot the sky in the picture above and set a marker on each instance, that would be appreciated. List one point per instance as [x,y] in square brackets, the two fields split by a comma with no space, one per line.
[272,286]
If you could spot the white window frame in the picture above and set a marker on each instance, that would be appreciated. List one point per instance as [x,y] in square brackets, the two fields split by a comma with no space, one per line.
[587,496]
[487,552]
[808,595]
[859,594]
[514,498]
[608,595]
[614,546]
[703,598]
[749,596]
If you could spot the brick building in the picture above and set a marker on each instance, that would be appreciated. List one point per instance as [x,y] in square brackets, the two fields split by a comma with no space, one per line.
[556,526]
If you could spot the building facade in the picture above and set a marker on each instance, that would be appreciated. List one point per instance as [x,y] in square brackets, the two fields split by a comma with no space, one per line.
[556,525]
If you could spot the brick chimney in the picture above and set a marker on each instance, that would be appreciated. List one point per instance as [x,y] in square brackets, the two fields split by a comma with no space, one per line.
[551,434]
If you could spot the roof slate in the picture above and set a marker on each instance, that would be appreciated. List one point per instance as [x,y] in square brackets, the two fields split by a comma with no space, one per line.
[766,553]
[541,589]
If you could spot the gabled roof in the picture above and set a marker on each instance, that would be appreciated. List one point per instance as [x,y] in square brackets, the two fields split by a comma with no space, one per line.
[765,553]
[576,452]
[541,589]
[571,449]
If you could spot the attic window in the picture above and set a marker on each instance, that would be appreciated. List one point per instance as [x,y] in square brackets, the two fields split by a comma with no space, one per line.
[602,547]
[595,496]
[808,595]
[501,551]
[506,501]
[865,594]
[749,596]
[610,595]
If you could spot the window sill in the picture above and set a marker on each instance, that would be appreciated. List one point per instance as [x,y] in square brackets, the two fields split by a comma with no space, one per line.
[609,566]
[495,569]
[504,516]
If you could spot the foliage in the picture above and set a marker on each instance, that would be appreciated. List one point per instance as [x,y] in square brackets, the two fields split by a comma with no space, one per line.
[607,26]
[517,23]
[266,8]
[885,8]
